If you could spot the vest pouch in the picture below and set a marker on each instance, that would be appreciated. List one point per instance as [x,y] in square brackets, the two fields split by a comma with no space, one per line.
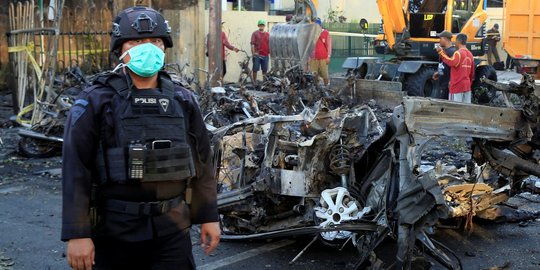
[117,165]
[168,164]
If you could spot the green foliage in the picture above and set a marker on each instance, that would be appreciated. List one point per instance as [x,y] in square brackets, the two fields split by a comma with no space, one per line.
[333,15]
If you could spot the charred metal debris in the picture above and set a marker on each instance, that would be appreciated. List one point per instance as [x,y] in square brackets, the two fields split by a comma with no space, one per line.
[297,159]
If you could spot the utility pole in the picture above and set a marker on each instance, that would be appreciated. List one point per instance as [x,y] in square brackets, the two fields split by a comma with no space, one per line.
[215,60]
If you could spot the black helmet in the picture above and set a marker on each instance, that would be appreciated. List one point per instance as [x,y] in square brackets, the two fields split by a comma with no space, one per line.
[139,22]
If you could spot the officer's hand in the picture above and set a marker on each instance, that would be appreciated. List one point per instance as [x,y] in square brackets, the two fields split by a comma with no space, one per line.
[210,233]
[80,253]
[435,76]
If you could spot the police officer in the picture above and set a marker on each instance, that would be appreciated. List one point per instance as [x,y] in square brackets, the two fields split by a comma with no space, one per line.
[137,161]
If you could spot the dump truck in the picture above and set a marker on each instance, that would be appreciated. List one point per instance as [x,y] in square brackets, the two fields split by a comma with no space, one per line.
[520,39]
[409,35]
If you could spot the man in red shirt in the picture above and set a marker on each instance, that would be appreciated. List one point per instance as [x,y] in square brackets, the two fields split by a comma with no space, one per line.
[260,48]
[225,43]
[320,58]
[461,70]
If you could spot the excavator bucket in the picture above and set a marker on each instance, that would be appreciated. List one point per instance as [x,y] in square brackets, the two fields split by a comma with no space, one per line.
[291,44]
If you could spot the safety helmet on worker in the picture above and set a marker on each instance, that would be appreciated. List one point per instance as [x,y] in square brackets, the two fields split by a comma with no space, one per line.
[138,23]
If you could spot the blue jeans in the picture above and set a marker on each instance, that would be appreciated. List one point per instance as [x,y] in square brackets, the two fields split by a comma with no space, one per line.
[260,63]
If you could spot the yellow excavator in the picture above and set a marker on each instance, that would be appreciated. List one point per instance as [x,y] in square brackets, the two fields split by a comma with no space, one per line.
[409,35]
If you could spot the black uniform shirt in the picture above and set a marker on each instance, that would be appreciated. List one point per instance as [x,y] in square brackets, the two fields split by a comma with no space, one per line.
[444,79]
[82,134]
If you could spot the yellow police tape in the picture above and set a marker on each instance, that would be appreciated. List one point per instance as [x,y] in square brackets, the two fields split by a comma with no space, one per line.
[28,49]
[24,111]
[83,52]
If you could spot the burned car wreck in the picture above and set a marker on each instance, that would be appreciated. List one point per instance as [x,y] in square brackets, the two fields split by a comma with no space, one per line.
[298,158]
[337,173]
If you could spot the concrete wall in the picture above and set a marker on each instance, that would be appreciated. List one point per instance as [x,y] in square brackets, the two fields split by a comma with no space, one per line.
[287,4]
[353,10]
[239,25]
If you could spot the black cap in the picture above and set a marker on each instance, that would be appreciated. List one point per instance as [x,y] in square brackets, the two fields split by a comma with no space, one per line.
[496,26]
[446,34]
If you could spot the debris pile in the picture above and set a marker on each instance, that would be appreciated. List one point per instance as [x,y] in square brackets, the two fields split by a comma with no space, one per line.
[319,164]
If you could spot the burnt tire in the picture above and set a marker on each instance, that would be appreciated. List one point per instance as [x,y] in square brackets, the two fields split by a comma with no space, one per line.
[421,83]
[361,72]
[481,92]
[36,148]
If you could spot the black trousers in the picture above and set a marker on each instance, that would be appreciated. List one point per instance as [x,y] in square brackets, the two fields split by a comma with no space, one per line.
[492,50]
[509,62]
[169,252]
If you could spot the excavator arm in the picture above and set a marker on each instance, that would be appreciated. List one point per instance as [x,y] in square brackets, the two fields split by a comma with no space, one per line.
[393,13]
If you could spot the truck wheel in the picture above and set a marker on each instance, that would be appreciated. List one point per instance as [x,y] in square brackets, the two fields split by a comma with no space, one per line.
[420,83]
[482,93]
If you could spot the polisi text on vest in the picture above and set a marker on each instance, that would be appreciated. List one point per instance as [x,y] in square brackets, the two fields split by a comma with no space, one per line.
[143,100]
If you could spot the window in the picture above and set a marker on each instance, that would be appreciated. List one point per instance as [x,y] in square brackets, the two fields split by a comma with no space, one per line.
[495,3]
[461,5]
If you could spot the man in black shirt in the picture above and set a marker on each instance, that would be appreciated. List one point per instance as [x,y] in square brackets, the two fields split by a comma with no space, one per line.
[443,71]
[493,37]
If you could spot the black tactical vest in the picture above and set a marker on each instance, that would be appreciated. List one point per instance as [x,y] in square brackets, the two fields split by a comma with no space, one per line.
[150,134]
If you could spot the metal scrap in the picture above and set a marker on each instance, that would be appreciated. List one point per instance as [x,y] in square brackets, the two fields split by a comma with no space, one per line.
[332,164]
